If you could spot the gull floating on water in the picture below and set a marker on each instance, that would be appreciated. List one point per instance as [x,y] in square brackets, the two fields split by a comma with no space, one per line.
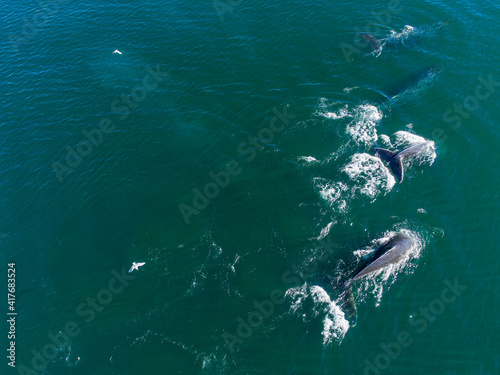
[135,266]
[116,51]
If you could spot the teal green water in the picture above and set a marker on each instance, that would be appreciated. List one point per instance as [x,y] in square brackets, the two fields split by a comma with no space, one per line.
[283,102]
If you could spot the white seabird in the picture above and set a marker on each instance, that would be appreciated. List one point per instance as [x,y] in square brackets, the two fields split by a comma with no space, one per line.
[135,266]
[116,51]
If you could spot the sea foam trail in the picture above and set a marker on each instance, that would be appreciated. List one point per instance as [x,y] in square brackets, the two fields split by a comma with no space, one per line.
[308,159]
[325,110]
[334,193]
[357,127]
[402,35]
[366,176]
[356,124]
[369,175]
[363,120]
[405,139]
[335,325]
[362,128]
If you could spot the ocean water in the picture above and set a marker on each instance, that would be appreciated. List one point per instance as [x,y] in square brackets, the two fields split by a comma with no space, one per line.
[228,146]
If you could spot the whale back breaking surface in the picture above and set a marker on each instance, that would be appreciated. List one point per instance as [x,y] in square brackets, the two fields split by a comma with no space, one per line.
[417,82]
[374,42]
[389,253]
[412,151]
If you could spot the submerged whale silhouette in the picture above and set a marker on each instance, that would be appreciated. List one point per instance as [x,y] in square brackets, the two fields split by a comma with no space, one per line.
[417,82]
[374,42]
[395,159]
[391,252]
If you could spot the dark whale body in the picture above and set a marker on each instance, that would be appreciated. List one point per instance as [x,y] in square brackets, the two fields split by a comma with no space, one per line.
[391,252]
[374,42]
[417,82]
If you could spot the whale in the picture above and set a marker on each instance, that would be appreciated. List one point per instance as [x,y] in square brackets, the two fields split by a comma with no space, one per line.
[395,159]
[375,43]
[391,252]
[397,37]
[432,29]
[416,83]
[407,90]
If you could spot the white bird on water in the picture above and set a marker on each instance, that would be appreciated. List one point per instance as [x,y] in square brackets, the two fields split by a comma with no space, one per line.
[135,266]
[116,51]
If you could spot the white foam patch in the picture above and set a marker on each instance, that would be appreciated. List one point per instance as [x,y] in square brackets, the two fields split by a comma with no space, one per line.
[341,113]
[385,140]
[368,177]
[308,159]
[362,128]
[333,193]
[297,294]
[404,34]
[405,139]
[329,110]
[377,52]
[369,174]
[364,119]
[335,325]
[347,90]
[325,231]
